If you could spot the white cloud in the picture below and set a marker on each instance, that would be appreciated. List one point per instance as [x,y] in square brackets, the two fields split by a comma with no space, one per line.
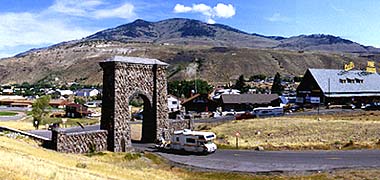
[91,9]
[220,11]
[179,8]
[277,17]
[75,7]
[224,11]
[20,29]
[125,11]
[210,21]
[202,8]
[24,30]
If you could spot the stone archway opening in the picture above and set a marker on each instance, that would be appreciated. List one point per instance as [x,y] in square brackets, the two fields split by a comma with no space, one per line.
[144,126]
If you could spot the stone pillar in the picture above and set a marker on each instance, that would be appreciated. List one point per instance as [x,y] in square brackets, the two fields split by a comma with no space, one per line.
[108,103]
[123,77]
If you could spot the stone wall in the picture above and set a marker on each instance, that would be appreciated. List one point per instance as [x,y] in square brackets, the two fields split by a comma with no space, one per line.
[79,142]
[180,125]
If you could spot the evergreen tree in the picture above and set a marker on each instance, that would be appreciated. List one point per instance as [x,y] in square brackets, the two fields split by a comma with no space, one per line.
[277,87]
[240,85]
[184,88]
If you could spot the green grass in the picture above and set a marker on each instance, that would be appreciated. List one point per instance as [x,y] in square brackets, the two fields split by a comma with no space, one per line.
[7,113]
[70,121]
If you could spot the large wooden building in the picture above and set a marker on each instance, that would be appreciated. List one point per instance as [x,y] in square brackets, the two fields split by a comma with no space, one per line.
[337,86]
[246,102]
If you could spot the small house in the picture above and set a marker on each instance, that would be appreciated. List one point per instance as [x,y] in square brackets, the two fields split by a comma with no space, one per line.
[87,92]
[76,111]
[199,103]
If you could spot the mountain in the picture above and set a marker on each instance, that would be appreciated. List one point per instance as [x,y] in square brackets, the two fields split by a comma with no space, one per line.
[217,53]
[194,32]
[321,42]
[183,32]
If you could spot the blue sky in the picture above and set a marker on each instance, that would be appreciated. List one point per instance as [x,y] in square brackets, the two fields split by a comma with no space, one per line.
[26,24]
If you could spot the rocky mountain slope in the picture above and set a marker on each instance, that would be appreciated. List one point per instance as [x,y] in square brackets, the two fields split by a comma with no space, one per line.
[194,32]
[194,49]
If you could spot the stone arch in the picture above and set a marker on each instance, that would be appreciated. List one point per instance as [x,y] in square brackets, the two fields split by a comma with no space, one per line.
[122,78]
[149,124]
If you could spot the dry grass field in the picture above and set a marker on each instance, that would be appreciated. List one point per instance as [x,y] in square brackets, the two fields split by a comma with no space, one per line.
[24,159]
[24,124]
[344,131]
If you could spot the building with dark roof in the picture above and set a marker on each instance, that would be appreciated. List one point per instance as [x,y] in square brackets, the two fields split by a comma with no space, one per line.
[76,111]
[246,102]
[199,103]
[337,86]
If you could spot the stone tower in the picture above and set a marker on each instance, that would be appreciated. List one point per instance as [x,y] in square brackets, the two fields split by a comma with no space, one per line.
[123,78]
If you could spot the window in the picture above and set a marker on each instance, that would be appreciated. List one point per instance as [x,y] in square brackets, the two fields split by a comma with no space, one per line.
[349,80]
[342,81]
[189,140]
[174,102]
[210,136]
[358,80]
[177,139]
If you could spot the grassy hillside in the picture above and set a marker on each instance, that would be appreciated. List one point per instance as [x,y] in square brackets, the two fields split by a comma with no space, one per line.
[78,61]
[24,159]
[28,161]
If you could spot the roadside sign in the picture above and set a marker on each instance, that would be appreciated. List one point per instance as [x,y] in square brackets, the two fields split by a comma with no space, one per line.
[315,100]
[237,134]
[64,120]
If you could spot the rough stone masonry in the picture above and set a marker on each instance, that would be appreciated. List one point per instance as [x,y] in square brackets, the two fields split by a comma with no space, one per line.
[123,78]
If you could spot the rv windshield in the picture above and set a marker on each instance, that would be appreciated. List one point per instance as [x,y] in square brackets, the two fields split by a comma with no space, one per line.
[206,142]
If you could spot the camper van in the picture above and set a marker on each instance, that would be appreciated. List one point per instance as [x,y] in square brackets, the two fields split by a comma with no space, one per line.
[193,141]
[268,111]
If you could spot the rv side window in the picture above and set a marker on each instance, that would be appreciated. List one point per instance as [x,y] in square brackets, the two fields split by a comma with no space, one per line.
[177,139]
[210,136]
[189,140]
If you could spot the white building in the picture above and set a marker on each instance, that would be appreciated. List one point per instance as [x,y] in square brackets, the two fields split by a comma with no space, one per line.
[87,92]
[217,93]
[174,104]
[65,92]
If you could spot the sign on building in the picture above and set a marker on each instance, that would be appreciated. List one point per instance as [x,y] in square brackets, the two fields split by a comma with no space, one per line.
[371,67]
[349,66]
[315,100]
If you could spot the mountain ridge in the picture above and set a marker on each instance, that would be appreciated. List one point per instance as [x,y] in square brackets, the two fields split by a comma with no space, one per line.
[217,52]
[184,31]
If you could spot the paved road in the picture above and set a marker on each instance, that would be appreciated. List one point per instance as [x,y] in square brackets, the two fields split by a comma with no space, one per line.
[279,161]
[16,117]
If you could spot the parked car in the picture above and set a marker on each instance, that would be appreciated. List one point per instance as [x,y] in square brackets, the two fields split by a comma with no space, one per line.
[268,111]
[292,108]
[348,106]
[246,115]
[372,106]
[138,115]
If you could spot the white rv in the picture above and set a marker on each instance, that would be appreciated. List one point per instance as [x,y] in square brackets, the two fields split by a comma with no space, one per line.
[268,111]
[193,141]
